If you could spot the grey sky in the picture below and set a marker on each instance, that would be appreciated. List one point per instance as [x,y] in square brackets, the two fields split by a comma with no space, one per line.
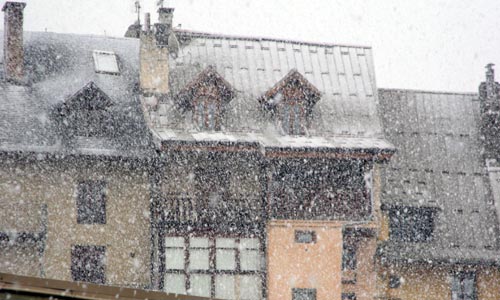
[424,44]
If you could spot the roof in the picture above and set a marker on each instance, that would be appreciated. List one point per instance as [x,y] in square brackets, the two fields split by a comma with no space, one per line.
[439,164]
[58,66]
[51,288]
[344,75]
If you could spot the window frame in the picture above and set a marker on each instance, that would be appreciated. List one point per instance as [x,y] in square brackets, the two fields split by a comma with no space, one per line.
[460,278]
[304,293]
[289,111]
[99,269]
[213,271]
[91,211]
[96,54]
[299,233]
[202,116]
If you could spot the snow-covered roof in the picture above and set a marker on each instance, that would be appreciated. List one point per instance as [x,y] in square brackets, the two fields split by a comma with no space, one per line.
[344,75]
[57,66]
[439,164]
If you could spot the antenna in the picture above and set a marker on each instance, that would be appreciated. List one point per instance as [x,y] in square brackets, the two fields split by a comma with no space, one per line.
[160,3]
[138,11]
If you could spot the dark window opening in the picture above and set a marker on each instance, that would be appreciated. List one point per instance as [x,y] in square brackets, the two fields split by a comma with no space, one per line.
[88,264]
[463,286]
[348,296]
[394,281]
[305,237]
[408,224]
[303,294]
[91,202]
[349,261]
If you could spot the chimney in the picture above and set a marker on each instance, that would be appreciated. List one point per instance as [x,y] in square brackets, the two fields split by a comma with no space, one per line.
[147,22]
[13,41]
[164,25]
[490,81]
[489,96]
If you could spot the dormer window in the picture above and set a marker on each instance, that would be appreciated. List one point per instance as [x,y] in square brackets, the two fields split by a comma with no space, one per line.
[292,117]
[206,97]
[206,113]
[86,113]
[106,62]
[291,101]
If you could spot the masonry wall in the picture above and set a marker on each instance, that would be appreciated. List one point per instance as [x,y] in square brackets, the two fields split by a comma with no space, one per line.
[304,265]
[125,234]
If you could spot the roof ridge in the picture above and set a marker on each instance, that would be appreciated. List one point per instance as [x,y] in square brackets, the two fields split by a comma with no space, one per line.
[87,35]
[259,39]
[430,91]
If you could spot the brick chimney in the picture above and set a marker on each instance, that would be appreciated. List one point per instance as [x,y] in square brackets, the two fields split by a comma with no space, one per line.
[13,41]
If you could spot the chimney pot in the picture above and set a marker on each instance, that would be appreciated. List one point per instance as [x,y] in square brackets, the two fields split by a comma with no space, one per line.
[13,41]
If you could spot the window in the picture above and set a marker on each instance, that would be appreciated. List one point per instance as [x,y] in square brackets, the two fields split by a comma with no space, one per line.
[88,264]
[348,296]
[206,113]
[408,224]
[349,261]
[303,294]
[305,237]
[463,286]
[91,202]
[214,267]
[292,117]
[105,62]
[394,281]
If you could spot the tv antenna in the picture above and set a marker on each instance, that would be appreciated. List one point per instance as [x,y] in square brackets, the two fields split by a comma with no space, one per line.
[138,11]
[160,3]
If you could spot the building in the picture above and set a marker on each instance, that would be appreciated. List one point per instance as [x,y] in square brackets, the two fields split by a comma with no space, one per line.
[74,157]
[439,194]
[241,168]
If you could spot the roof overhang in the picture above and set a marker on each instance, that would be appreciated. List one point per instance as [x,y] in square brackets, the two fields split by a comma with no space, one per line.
[276,146]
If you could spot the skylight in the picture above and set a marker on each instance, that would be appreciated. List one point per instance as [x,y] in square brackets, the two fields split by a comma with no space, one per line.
[105,62]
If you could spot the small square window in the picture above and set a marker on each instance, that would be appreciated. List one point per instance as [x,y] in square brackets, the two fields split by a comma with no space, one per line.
[305,237]
[348,296]
[91,202]
[105,62]
[394,281]
[88,264]
[303,294]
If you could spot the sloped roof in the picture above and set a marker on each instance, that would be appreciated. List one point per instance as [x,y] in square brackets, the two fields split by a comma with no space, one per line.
[439,164]
[344,76]
[57,66]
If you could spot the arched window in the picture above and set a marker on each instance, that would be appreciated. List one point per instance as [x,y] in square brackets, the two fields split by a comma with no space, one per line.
[292,116]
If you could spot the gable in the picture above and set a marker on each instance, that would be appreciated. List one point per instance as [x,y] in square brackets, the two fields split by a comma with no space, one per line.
[90,97]
[206,83]
[293,86]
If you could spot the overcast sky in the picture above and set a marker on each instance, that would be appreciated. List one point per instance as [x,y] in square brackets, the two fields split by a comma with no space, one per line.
[418,44]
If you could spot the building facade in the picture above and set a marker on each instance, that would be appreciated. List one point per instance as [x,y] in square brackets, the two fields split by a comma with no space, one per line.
[241,168]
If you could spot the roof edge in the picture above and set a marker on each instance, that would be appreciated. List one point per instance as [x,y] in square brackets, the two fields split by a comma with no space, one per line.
[428,91]
[202,34]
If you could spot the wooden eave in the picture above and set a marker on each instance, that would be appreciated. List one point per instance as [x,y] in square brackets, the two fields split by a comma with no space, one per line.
[210,146]
[80,290]
[210,76]
[312,93]
[333,153]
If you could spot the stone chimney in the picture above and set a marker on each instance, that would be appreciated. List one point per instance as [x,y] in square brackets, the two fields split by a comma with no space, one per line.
[13,41]
[489,96]
[154,56]
[164,26]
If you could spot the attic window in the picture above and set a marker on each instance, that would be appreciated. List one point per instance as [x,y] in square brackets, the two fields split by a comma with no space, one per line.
[106,62]
[291,100]
[206,96]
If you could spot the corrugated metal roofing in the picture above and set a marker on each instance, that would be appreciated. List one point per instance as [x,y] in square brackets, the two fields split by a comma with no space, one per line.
[343,74]
[439,164]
